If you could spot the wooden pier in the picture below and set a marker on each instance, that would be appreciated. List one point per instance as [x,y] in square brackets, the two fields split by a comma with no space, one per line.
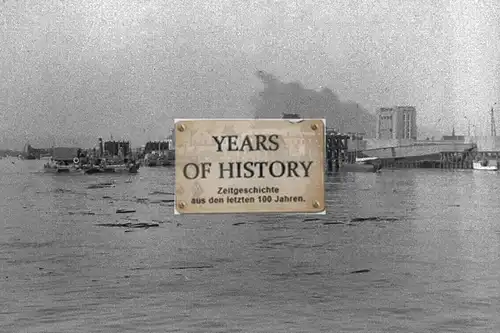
[410,164]
[336,154]
[453,160]
[336,150]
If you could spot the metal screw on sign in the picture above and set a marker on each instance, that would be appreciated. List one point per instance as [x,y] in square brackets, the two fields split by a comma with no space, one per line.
[182,205]
[181,128]
[315,204]
[314,127]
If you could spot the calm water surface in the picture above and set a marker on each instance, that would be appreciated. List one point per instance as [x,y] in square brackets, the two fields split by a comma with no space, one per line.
[431,265]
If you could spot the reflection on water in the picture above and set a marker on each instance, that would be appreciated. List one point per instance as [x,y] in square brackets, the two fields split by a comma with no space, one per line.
[427,260]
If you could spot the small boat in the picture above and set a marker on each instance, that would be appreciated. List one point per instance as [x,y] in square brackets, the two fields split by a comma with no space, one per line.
[60,166]
[63,160]
[164,158]
[363,164]
[129,168]
[152,160]
[159,153]
[485,165]
[111,157]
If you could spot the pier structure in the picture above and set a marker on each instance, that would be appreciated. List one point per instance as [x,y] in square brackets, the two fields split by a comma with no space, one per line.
[451,160]
[464,160]
[336,149]
[427,162]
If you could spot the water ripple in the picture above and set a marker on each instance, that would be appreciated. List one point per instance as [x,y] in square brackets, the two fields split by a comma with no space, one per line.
[402,251]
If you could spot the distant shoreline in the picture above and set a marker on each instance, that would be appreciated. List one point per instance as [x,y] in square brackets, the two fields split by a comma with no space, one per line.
[9,152]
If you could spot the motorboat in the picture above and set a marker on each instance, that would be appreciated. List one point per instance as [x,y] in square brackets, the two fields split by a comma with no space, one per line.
[485,165]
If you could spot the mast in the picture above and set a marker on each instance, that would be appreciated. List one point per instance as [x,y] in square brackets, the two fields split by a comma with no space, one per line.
[493,127]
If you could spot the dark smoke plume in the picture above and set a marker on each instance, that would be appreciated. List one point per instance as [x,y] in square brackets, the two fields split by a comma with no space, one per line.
[279,97]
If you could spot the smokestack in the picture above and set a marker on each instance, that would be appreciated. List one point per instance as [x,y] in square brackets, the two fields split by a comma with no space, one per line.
[101,148]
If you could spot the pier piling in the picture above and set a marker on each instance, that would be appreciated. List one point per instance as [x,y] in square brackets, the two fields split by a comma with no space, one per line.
[336,150]
[464,160]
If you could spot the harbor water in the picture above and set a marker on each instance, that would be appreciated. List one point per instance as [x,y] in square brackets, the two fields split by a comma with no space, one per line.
[424,259]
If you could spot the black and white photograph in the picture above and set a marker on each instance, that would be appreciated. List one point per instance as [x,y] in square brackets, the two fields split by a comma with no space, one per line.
[260,166]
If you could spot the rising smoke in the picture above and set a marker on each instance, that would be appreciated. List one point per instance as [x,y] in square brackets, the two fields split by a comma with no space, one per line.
[279,97]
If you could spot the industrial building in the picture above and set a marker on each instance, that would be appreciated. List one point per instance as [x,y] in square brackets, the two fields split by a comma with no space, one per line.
[398,122]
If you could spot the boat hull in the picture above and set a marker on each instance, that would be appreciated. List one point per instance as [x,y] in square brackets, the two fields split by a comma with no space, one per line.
[157,162]
[114,169]
[61,170]
[488,167]
[355,167]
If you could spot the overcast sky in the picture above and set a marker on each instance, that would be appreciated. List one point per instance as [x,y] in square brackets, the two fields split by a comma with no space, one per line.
[128,67]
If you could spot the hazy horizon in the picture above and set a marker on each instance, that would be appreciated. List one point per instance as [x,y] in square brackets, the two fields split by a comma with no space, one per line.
[74,71]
